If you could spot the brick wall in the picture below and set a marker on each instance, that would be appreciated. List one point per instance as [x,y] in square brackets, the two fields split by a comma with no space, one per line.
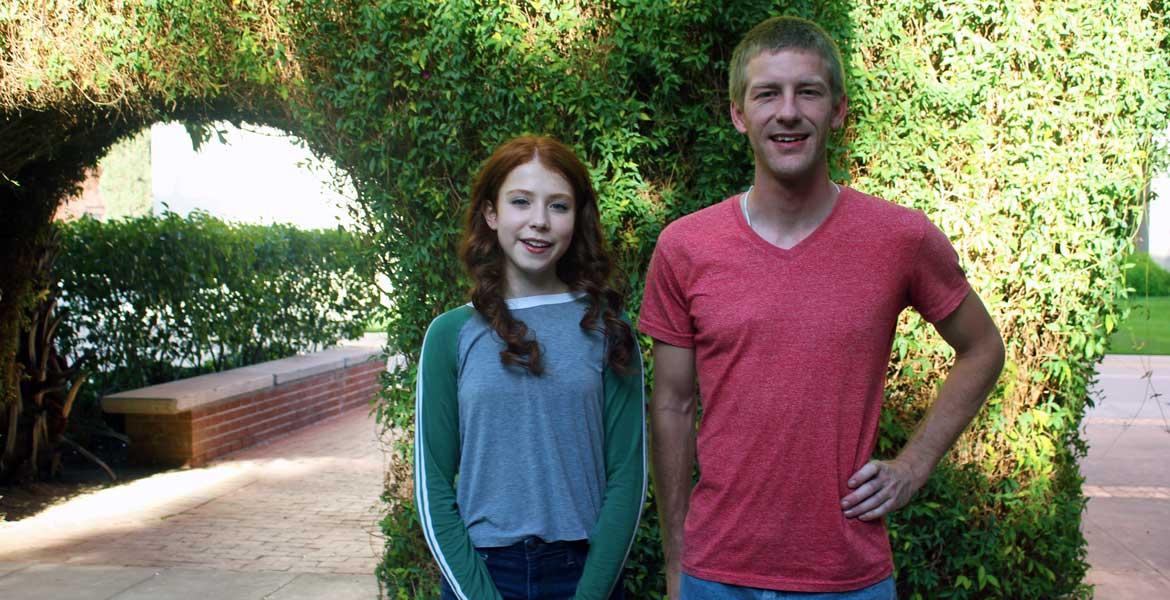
[192,438]
[88,202]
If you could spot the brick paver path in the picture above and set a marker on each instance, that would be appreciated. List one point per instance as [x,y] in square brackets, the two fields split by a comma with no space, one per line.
[1127,519]
[305,503]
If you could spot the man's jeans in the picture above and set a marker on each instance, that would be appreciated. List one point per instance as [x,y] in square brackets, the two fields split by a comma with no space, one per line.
[693,588]
[536,570]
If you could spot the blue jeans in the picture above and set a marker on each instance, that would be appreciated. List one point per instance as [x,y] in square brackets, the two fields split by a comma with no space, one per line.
[536,570]
[693,588]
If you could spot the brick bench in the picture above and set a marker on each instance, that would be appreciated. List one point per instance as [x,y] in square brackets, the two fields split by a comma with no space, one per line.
[191,421]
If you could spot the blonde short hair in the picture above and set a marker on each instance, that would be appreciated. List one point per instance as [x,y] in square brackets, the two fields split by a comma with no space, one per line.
[782,33]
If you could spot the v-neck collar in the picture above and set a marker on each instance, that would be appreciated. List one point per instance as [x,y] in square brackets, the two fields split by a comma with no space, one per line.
[844,197]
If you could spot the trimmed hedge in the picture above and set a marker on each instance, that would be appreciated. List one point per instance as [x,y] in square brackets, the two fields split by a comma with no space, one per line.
[1146,277]
[158,298]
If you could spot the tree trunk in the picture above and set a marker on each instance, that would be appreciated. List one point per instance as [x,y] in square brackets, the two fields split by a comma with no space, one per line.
[27,208]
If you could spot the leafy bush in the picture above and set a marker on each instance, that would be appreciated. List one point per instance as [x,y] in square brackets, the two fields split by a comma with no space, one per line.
[153,299]
[978,113]
[1146,277]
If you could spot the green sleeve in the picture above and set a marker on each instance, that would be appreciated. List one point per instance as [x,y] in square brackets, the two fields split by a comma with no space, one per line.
[625,477]
[436,460]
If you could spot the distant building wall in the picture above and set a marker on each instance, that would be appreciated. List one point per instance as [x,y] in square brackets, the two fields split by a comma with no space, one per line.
[1157,222]
[118,187]
[254,175]
[88,202]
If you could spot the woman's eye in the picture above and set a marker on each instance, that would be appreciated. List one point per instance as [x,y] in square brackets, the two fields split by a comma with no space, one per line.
[518,201]
[560,206]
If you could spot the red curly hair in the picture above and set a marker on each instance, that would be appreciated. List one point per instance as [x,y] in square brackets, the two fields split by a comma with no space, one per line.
[586,265]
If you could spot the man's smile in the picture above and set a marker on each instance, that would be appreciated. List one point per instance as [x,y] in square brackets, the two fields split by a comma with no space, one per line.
[788,139]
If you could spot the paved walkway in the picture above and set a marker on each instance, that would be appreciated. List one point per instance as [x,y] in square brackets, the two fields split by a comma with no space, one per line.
[1127,520]
[296,518]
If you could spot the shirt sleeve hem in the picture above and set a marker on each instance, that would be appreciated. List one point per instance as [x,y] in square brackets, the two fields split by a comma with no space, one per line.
[665,335]
[949,305]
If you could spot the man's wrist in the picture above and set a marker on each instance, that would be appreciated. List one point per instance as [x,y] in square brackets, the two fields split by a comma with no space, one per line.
[917,468]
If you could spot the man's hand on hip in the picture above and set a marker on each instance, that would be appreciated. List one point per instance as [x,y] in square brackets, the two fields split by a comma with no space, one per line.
[879,488]
[883,486]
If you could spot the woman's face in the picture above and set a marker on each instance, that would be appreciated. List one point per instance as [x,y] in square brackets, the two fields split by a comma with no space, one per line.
[533,218]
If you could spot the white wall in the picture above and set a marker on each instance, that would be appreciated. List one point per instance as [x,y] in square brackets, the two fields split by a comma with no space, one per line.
[1158,233]
[260,175]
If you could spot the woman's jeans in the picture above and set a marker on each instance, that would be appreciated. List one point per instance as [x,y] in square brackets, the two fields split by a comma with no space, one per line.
[536,570]
[693,588]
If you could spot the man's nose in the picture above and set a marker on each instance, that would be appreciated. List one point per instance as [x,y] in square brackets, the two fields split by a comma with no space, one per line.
[786,108]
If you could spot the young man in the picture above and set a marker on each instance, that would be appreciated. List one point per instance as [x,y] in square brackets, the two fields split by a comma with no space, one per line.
[783,301]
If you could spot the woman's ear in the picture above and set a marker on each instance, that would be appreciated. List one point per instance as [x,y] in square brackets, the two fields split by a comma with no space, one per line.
[489,216]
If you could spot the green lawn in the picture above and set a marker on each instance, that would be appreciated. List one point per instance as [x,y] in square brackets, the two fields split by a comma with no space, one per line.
[376,326]
[1147,331]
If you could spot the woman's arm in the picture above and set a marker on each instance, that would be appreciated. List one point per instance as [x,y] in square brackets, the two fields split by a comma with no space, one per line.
[436,460]
[625,474]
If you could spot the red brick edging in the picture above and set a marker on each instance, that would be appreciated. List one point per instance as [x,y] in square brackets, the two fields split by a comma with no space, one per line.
[210,428]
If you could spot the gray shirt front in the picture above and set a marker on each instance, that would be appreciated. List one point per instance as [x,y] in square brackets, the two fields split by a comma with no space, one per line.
[501,455]
[531,452]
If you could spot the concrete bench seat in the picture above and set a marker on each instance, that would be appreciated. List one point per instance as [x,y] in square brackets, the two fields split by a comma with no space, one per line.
[192,421]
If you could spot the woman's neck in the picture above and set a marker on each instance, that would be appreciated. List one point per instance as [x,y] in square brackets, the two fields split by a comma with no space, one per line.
[524,288]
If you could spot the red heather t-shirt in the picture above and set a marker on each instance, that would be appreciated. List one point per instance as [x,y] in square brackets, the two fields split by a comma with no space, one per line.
[791,348]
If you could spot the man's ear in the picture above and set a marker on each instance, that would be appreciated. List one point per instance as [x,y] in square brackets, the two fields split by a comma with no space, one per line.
[839,112]
[489,216]
[737,118]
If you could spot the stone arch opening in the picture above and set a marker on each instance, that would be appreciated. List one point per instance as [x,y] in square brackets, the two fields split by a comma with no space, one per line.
[240,173]
[39,173]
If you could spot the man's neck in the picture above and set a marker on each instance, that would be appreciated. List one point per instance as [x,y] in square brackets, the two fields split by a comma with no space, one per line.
[784,213]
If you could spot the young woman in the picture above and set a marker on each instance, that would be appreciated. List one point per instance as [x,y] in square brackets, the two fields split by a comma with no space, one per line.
[529,450]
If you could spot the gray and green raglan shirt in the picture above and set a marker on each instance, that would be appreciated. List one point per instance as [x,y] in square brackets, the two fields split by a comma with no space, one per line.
[560,456]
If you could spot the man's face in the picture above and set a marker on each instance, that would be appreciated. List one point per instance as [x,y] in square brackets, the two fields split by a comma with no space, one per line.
[788,114]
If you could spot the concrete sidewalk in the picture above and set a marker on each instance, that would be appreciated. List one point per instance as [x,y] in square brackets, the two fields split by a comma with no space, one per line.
[1127,520]
[296,518]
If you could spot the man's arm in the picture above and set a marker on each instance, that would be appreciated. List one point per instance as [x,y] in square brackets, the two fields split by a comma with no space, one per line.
[883,486]
[672,420]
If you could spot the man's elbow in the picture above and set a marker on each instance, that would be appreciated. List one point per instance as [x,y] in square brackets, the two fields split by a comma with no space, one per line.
[672,401]
[988,348]
[997,354]
[988,355]
[984,346]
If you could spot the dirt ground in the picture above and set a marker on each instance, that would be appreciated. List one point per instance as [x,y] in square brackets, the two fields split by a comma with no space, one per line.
[77,476]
